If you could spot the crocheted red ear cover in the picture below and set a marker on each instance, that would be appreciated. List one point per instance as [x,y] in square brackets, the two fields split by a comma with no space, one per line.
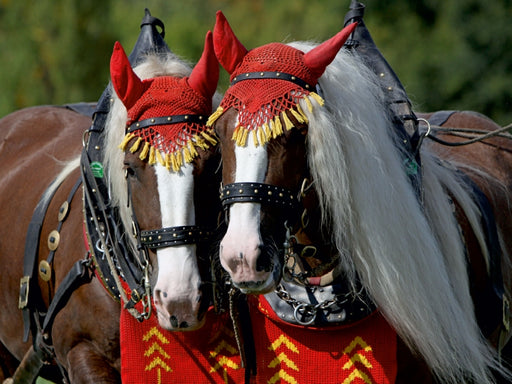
[262,103]
[171,144]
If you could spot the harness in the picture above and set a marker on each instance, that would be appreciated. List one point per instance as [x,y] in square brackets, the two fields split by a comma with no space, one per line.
[37,319]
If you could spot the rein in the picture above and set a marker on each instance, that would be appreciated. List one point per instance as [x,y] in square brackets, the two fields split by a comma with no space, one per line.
[465,133]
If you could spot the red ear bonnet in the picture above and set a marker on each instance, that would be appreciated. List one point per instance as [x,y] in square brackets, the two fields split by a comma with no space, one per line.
[126,83]
[321,56]
[230,52]
[268,82]
[205,75]
[167,114]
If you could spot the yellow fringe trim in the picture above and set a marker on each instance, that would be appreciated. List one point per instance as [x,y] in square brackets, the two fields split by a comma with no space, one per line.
[274,127]
[174,160]
[126,140]
[318,98]
[308,103]
[268,132]
[135,146]
[278,127]
[214,116]
[160,159]
[145,151]
[152,156]
[209,137]
[287,122]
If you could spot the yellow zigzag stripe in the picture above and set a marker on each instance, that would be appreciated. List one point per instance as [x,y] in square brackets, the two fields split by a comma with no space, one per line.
[357,358]
[357,341]
[158,362]
[282,375]
[282,358]
[357,375]
[223,345]
[156,348]
[224,362]
[156,333]
[283,340]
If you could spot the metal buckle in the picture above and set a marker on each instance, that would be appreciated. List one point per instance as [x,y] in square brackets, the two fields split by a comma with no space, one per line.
[24,287]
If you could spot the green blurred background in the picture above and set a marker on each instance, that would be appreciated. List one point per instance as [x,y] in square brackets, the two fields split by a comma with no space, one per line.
[449,54]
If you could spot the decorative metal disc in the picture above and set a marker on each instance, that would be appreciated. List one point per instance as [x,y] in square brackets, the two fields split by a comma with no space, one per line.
[63,211]
[45,270]
[53,240]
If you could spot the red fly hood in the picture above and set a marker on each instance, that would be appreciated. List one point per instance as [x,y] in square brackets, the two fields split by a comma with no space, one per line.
[167,115]
[269,80]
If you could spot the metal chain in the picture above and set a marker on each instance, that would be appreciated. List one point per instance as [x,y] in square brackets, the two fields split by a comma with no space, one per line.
[305,310]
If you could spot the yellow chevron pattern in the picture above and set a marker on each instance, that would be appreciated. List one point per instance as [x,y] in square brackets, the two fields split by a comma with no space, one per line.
[282,360]
[282,377]
[283,340]
[156,352]
[356,373]
[223,355]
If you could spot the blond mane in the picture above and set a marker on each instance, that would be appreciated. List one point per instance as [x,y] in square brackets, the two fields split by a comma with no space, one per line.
[410,258]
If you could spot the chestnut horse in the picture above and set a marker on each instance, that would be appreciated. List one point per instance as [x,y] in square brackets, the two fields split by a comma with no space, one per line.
[315,185]
[160,180]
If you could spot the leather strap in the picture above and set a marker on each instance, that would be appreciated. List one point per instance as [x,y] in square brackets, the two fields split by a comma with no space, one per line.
[258,193]
[28,287]
[79,275]
[273,75]
[173,236]
[167,120]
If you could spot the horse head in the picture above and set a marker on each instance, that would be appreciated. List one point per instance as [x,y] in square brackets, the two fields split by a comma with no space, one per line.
[262,130]
[168,159]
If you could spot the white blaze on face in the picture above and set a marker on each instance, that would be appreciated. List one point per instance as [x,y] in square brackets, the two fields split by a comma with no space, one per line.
[240,247]
[176,292]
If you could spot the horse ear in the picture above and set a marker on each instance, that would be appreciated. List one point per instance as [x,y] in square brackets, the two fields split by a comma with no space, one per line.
[228,48]
[126,83]
[321,56]
[205,75]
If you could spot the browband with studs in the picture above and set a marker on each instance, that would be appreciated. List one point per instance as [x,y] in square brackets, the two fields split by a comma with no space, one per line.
[273,75]
[166,120]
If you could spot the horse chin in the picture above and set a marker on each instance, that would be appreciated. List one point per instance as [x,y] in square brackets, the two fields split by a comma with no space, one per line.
[263,286]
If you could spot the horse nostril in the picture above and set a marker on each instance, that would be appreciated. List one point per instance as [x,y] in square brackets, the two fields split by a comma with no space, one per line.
[174,321]
[264,262]
[184,324]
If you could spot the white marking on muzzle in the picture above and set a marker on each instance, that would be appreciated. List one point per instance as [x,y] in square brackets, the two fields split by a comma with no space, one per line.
[241,245]
[177,290]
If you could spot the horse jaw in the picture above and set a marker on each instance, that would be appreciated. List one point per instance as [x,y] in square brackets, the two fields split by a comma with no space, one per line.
[177,292]
[242,245]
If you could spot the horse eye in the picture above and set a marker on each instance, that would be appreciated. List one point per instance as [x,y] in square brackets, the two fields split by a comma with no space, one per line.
[128,170]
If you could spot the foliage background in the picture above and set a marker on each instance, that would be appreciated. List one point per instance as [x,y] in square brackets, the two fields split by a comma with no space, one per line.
[449,54]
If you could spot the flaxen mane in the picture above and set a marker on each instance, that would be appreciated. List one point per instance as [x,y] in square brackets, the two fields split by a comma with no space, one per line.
[410,258]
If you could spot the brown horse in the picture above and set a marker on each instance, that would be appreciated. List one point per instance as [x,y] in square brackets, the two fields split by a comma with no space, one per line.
[161,180]
[310,161]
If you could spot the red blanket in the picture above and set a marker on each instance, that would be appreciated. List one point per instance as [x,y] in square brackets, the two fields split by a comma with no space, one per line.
[363,353]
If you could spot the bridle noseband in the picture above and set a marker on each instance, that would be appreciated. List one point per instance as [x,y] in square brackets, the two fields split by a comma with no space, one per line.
[250,192]
[173,236]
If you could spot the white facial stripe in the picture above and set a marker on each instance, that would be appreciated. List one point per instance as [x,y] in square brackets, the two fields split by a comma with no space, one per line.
[251,162]
[177,289]
[176,194]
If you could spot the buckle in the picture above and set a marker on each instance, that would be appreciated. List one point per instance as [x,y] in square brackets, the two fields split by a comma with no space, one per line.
[24,288]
